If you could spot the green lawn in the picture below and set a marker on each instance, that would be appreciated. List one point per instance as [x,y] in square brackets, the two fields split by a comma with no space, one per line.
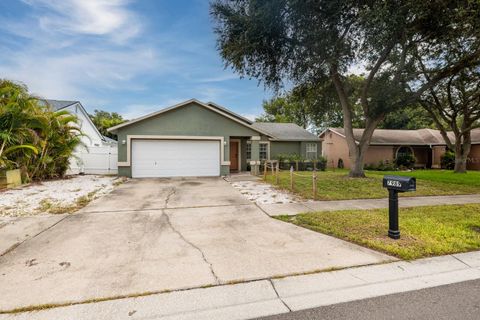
[336,185]
[425,231]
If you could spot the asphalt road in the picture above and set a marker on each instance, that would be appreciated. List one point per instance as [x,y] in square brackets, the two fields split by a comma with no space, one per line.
[455,301]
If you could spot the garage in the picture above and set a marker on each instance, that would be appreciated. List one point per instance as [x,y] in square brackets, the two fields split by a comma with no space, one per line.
[175,158]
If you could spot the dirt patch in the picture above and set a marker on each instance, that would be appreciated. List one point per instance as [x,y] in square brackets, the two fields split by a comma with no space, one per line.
[475,228]
[191,184]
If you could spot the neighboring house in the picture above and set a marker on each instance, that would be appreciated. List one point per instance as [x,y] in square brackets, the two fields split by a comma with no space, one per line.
[98,155]
[194,138]
[427,145]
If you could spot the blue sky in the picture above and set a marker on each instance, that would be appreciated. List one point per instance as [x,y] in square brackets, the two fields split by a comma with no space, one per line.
[132,57]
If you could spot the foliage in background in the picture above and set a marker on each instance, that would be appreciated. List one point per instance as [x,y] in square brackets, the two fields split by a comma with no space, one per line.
[411,118]
[448,160]
[382,166]
[454,105]
[288,160]
[104,120]
[310,106]
[405,161]
[34,138]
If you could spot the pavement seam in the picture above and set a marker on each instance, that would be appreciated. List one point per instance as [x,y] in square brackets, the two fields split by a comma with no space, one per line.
[16,245]
[261,209]
[278,296]
[217,280]
[169,208]
[462,261]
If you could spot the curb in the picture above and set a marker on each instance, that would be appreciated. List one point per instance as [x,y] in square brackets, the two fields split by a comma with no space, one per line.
[275,296]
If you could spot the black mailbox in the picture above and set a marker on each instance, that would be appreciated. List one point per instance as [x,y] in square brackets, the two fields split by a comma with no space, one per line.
[396,184]
[399,183]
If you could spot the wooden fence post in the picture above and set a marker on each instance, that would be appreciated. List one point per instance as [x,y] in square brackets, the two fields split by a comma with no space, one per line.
[291,178]
[277,171]
[314,184]
[314,165]
[265,170]
[273,168]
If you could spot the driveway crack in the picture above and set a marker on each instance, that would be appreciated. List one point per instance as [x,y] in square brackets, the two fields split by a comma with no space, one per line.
[217,280]
[169,195]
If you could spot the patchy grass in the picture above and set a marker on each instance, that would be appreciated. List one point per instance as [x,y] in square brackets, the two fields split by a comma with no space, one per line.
[336,185]
[425,231]
[49,206]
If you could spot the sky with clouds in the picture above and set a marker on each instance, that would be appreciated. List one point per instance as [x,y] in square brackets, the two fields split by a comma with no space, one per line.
[132,57]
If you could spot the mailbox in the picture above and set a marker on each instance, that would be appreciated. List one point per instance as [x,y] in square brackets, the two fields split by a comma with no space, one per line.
[396,184]
[400,184]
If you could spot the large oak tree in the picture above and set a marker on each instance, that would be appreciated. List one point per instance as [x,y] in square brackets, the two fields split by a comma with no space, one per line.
[322,41]
[454,104]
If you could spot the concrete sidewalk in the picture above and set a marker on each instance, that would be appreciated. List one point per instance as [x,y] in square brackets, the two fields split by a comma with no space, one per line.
[275,296]
[364,204]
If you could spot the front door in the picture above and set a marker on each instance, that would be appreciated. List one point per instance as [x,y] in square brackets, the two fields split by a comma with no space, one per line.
[233,155]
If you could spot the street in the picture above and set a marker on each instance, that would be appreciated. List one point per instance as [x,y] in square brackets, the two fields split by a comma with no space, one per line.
[454,301]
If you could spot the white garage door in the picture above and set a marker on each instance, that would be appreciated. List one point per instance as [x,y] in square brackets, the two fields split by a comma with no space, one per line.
[175,158]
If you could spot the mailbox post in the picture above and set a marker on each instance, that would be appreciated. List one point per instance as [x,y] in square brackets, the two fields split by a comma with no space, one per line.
[396,184]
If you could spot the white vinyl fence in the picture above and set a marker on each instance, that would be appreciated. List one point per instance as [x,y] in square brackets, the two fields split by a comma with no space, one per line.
[95,160]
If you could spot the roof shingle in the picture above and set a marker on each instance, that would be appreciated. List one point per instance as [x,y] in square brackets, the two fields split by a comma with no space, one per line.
[286,131]
[410,137]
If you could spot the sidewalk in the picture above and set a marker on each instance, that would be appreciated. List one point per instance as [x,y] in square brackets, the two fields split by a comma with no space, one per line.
[277,209]
[274,296]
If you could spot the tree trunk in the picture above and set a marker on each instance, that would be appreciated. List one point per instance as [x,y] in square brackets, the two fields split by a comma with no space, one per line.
[460,163]
[462,150]
[357,162]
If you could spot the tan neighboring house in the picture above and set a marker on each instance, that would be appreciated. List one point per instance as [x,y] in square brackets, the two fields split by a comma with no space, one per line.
[427,145]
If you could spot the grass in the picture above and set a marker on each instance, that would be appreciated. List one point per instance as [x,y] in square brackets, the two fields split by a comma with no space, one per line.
[425,231]
[336,185]
[47,206]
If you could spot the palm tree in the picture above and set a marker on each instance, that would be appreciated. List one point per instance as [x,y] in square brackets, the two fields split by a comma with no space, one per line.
[16,122]
[33,137]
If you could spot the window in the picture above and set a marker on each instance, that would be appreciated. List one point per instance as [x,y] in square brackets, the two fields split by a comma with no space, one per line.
[249,151]
[311,150]
[263,151]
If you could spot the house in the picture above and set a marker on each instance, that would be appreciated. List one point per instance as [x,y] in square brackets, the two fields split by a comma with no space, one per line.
[427,145]
[194,138]
[98,154]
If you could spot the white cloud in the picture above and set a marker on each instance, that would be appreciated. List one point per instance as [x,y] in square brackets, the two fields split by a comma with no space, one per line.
[62,57]
[90,17]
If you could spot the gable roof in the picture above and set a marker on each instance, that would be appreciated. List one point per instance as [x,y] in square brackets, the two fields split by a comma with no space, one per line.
[232,116]
[409,137]
[236,115]
[58,104]
[286,131]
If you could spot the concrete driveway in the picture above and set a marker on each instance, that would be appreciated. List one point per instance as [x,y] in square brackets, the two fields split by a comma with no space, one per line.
[154,235]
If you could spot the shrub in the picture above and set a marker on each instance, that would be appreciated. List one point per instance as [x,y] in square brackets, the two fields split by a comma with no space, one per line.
[448,160]
[321,163]
[381,166]
[405,161]
[340,164]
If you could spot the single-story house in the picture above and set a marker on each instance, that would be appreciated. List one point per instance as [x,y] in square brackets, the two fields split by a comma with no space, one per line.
[427,145]
[193,138]
[98,154]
